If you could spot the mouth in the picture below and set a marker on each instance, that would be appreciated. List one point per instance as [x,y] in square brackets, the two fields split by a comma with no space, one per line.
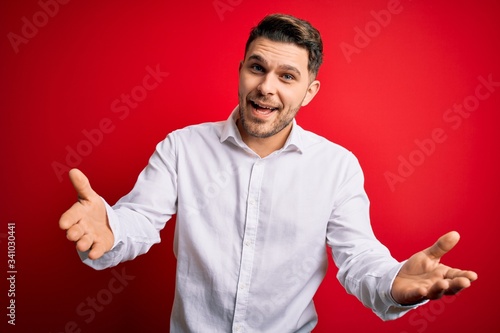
[263,109]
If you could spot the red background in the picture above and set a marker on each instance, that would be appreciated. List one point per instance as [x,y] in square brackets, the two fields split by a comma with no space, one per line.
[395,90]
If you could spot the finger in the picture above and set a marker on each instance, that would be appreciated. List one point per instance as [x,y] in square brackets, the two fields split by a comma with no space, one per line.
[75,233]
[453,273]
[456,285]
[444,244]
[71,217]
[97,251]
[415,295]
[84,243]
[471,275]
[438,289]
[81,184]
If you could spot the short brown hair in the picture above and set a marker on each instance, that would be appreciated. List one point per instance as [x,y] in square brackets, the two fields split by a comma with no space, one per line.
[289,29]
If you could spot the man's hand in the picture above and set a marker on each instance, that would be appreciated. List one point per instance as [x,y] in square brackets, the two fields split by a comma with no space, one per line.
[86,222]
[423,277]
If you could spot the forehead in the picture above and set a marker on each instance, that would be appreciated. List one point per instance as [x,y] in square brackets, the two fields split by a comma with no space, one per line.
[278,53]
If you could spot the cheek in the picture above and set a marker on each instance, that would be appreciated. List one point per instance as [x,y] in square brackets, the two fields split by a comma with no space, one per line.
[241,90]
[291,99]
[299,96]
[244,86]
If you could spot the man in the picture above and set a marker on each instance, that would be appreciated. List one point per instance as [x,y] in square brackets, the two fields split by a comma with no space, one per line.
[257,199]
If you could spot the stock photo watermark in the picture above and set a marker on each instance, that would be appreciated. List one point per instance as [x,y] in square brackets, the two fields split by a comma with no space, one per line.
[223,6]
[452,117]
[11,272]
[31,26]
[120,108]
[372,29]
[88,309]
[421,318]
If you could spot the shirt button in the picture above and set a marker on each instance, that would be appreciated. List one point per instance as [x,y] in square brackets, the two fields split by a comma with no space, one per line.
[248,243]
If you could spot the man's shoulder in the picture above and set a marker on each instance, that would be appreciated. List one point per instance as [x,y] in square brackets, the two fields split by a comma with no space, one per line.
[205,129]
[314,141]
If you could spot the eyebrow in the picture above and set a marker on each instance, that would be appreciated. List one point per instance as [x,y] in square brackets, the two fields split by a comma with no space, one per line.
[289,68]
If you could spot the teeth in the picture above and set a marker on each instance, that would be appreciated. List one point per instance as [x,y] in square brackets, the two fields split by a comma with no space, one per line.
[264,107]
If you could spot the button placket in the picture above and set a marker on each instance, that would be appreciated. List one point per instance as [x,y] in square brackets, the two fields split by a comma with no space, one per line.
[248,250]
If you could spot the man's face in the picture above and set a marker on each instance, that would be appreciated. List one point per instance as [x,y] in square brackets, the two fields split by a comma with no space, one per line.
[274,82]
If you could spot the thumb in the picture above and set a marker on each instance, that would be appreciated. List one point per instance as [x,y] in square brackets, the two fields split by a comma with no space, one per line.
[444,244]
[81,184]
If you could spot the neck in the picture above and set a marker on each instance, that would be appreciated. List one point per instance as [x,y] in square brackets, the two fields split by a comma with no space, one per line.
[264,146]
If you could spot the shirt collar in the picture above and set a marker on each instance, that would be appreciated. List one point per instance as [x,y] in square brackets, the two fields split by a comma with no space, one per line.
[231,133]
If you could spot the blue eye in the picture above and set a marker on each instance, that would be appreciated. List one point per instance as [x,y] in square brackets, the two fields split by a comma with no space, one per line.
[257,68]
[288,77]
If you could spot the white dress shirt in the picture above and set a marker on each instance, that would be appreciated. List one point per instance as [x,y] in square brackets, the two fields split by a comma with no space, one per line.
[251,233]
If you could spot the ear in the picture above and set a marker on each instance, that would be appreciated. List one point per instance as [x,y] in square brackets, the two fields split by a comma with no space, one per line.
[312,90]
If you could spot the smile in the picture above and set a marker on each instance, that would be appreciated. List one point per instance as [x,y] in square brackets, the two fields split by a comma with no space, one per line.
[261,107]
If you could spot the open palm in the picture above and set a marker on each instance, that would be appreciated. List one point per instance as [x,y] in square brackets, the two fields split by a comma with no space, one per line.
[424,277]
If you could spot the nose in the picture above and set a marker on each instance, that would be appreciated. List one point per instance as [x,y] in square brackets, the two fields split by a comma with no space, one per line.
[268,85]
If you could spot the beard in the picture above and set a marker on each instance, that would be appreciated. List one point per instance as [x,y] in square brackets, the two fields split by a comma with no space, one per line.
[261,128]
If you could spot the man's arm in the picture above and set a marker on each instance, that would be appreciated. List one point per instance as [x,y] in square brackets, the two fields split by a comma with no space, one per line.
[366,267]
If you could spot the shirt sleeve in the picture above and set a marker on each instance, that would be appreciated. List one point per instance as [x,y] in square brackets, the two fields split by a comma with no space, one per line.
[137,218]
[366,268]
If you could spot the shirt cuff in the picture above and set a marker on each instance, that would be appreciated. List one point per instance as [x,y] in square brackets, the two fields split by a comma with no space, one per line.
[114,225]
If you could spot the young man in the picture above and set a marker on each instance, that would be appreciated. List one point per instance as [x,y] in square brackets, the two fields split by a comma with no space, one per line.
[257,199]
